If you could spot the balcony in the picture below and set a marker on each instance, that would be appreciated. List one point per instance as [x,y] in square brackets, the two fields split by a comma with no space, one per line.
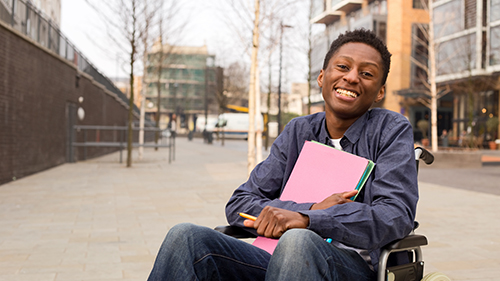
[327,17]
[335,9]
[346,6]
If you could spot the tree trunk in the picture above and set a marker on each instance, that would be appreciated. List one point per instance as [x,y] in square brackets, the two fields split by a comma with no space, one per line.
[309,55]
[258,133]
[141,124]
[130,114]
[145,39]
[432,80]
[133,50]
[251,93]
[268,102]
[158,84]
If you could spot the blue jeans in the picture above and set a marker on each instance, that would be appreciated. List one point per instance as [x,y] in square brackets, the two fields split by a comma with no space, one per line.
[191,252]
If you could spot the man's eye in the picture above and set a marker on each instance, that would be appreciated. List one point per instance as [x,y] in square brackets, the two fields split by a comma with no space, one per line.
[367,74]
[341,66]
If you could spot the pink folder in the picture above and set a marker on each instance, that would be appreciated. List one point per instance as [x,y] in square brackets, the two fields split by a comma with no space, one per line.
[319,172]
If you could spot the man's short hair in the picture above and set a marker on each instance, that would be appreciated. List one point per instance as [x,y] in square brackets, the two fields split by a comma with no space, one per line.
[361,36]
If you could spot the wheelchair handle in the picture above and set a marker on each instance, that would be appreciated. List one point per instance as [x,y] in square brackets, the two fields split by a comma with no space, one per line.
[423,154]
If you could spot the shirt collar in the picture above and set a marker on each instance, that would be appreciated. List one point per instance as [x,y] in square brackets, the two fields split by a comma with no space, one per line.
[324,137]
[352,134]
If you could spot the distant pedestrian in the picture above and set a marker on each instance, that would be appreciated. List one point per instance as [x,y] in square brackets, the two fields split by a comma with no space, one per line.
[173,125]
[444,138]
[461,139]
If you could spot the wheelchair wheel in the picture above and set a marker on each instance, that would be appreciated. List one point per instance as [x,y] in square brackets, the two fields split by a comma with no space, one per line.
[436,276]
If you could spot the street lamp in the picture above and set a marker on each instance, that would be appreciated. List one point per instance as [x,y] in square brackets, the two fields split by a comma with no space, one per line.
[282,27]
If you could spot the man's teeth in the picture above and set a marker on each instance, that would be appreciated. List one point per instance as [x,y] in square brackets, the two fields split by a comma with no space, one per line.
[347,93]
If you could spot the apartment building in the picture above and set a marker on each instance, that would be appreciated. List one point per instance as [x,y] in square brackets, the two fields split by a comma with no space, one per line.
[394,21]
[187,83]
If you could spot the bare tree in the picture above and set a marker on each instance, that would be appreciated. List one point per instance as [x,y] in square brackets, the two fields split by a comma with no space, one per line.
[132,36]
[159,63]
[146,38]
[251,95]
[428,76]
[169,27]
[130,25]
[271,14]
[125,29]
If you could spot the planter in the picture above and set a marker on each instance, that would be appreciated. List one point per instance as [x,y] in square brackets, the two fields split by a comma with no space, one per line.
[492,145]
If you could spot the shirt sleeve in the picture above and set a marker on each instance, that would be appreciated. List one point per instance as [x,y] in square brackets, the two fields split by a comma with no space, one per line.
[388,207]
[264,186]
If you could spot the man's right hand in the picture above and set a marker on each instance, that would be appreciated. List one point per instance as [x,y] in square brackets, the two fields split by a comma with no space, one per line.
[334,199]
[272,222]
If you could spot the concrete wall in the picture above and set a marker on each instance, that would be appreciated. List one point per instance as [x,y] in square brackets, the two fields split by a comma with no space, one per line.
[39,95]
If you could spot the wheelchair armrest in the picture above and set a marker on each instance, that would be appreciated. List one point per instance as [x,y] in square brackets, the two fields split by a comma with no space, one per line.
[410,241]
[235,231]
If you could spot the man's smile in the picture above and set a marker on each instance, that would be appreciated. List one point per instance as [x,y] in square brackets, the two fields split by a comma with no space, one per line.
[346,93]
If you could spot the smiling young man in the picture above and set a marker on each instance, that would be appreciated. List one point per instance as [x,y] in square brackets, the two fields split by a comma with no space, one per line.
[352,80]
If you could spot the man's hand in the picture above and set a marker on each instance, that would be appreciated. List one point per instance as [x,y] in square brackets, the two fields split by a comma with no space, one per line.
[334,199]
[273,222]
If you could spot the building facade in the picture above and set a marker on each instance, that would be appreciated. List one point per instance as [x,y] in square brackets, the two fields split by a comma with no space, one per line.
[184,84]
[339,16]
[50,9]
[467,48]
[392,20]
[467,39]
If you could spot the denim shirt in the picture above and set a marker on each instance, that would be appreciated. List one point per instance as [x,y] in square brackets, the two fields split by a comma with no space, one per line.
[385,208]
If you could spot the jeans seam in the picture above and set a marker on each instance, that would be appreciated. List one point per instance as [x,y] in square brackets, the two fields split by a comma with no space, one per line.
[234,260]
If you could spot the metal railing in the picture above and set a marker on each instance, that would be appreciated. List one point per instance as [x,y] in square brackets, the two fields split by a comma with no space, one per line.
[27,19]
[115,136]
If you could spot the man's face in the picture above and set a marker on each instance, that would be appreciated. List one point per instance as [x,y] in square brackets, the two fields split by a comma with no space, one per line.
[352,82]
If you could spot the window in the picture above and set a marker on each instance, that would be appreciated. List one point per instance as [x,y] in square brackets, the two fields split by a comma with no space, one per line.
[448,18]
[495,45]
[185,74]
[420,4]
[420,54]
[380,29]
[470,14]
[457,55]
[494,10]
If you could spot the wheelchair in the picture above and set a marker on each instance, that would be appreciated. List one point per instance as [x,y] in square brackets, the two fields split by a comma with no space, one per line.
[410,246]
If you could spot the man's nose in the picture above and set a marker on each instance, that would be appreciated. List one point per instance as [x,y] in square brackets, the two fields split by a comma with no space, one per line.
[352,76]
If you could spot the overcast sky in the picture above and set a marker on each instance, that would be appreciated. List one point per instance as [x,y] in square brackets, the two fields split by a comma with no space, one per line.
[85,29]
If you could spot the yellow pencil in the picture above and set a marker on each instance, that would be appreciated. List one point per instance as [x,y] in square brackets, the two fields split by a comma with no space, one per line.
[247,216]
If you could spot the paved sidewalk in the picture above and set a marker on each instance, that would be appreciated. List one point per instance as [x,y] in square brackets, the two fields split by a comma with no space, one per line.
[97,220]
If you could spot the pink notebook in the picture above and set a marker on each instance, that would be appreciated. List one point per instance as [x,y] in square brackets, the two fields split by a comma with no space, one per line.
[319,172]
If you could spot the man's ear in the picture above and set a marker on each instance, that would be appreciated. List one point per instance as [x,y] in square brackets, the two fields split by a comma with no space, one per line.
[320,78]
[381,94]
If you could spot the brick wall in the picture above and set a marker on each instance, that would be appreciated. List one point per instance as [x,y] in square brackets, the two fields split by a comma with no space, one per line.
[37,90]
